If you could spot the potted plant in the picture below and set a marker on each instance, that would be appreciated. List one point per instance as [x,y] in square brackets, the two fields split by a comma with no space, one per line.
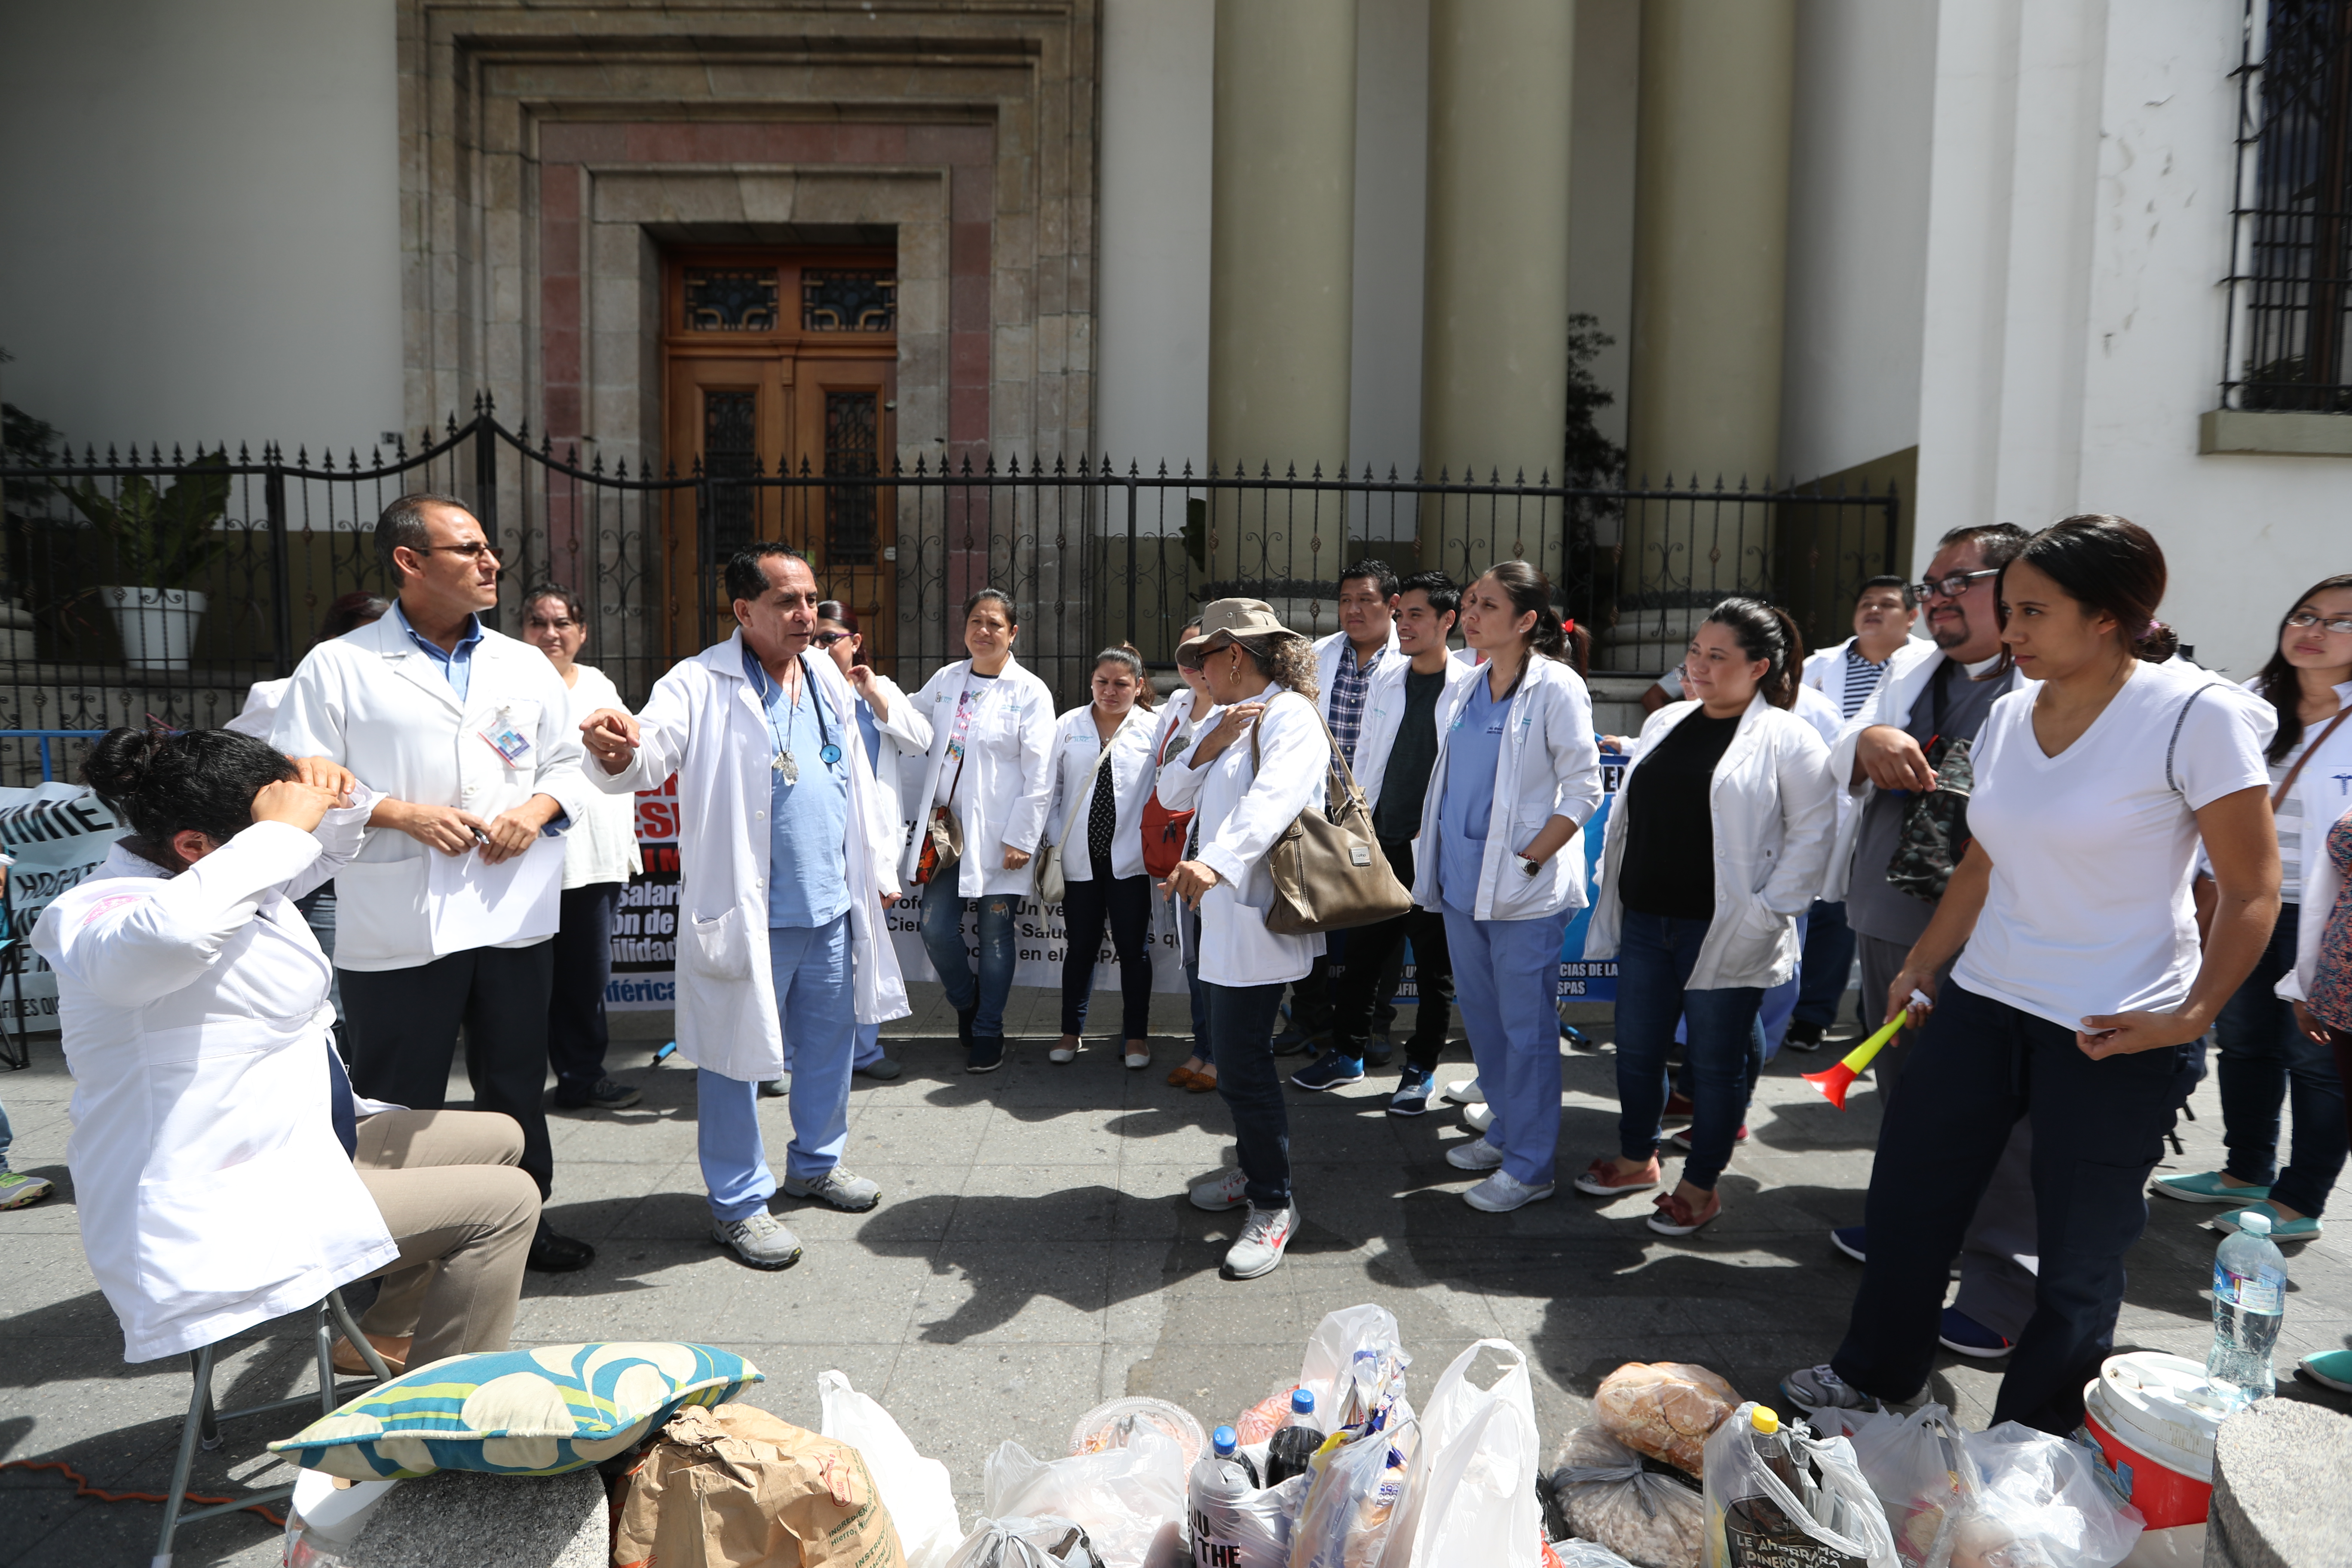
[159,539]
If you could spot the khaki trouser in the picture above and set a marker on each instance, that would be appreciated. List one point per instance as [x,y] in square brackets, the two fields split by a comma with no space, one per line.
[446,1185]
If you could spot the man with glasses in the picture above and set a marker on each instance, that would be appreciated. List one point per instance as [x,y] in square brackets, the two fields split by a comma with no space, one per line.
[468,735]
[1933,697]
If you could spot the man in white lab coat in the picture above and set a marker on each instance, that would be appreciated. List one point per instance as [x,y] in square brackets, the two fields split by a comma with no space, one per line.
[786,857]
[466,735]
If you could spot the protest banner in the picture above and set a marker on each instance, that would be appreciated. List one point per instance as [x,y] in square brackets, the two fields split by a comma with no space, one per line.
[59,833]
[645,925]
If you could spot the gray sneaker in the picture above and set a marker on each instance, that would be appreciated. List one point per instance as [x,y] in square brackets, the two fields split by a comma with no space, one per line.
[1260,1245]
[1820,1387]
[838,1187]
[761,1240]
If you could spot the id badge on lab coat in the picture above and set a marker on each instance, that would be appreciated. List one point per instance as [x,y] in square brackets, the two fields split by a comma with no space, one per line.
[506,742]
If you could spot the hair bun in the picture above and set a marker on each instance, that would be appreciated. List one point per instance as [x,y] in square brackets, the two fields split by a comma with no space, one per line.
[2156,643]
[120,760]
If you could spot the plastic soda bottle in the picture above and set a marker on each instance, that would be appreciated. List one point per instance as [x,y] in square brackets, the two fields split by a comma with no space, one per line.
[2248,1301]
[1296,1443]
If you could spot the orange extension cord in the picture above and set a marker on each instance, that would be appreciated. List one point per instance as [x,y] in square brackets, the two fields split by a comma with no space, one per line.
[83,1488]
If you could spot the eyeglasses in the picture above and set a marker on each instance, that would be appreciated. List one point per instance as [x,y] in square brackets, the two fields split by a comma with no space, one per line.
[2304,620]
[1952,585]
[561,624]
[826,639]
[473,551]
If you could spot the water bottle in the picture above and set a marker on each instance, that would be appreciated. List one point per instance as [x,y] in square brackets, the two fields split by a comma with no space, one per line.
[2249,1300]
[1296,1443]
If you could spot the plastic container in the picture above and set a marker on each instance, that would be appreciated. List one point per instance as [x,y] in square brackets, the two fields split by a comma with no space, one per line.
[1112,1424]
[2154,1418]
[2249,1304]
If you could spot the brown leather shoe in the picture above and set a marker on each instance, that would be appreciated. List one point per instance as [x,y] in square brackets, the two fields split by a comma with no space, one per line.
[1203,1082]
[1182,1076]
[393,1348]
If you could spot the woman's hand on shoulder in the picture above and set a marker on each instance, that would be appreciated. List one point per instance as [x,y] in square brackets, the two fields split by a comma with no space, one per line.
[1231,727]
[293,803]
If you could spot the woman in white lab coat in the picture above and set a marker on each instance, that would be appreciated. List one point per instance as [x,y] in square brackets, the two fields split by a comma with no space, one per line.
[987,781]
[1101,751]
[1247,794]
[1171,738]
[212,1134]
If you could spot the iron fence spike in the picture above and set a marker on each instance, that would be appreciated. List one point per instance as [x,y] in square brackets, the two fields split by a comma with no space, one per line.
[489,404]
[241,458]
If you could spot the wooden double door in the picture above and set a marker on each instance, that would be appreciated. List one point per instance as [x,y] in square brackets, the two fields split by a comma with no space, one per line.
[778,371]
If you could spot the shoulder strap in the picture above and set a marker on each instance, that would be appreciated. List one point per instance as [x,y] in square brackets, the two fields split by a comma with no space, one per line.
[1087,790]
[2295,772]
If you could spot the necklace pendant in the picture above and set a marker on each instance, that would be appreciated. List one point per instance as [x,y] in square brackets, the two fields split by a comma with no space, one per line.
[787,767]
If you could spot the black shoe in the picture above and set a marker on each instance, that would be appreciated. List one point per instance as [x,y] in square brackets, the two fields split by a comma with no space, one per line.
[553,1254]
[881,1069]
[1379,1050]
[964,1015]
[985,1053]
[603,1095]
[1294,1043]
[1802,1037]
[776,1087]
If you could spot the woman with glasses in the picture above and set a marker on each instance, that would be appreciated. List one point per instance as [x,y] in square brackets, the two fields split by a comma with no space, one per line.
[2266,1059]
[1171,738]
[1101,751]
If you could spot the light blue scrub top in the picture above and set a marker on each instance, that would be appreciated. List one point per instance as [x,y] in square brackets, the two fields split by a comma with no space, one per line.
[808,822]
[1474,748]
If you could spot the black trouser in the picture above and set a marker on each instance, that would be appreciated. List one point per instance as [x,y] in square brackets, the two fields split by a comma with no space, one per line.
[1367,977]
[1125,903]
[583,964]
[404,1027]
[1241,1033]
[2098,1129]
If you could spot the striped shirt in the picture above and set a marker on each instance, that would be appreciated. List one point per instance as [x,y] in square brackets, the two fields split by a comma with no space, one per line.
[2287,818]
[1862,678]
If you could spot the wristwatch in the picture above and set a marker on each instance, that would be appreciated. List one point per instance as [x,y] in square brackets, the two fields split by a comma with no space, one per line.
[1530,866]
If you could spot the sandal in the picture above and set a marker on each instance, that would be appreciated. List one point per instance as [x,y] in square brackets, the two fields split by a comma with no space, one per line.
[1677,1217]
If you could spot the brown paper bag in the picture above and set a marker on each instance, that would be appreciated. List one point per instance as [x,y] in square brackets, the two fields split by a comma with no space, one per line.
[736,1487]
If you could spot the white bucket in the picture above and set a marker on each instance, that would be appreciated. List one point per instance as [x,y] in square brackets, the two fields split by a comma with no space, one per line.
[158,625]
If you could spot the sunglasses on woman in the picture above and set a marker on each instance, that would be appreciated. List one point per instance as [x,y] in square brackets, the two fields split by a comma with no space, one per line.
[826,639]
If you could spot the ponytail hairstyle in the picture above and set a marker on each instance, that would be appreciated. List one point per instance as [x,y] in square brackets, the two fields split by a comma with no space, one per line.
[1530,590]
[2277,681]
[1765,631]
[165,781]
[2108,565]
[1131,656]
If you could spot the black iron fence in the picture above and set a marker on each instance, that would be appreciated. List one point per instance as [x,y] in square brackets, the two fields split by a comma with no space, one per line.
[163,587]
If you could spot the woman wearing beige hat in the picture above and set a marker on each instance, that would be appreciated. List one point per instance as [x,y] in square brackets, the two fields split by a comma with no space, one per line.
[1261,675]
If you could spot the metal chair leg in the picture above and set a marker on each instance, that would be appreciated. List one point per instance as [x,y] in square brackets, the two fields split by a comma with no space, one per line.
[359,1342]
[200,1420]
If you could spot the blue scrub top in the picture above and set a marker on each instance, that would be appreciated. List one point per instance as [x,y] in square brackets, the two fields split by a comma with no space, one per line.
[808,822]
[1473,749]
[873,733]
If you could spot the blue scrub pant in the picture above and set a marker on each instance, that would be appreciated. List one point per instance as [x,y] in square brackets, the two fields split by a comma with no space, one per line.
[815,1001]
[869,1047]
[1506,979]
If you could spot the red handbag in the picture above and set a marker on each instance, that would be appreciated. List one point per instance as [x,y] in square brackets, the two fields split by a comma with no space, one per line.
[1164,830]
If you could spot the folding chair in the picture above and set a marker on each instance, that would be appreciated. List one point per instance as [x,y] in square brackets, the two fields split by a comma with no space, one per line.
[204,1423]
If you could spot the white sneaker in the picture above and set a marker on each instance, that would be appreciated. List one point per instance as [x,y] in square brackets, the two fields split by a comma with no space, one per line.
[1477,1118]
[1502,1191]
[1260,1245]
[1227,1192]
[1064,1055]
[1465,1091]
[1480,1156]
[759,1240]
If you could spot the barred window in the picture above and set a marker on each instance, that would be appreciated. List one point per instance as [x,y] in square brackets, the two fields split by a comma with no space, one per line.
[2288,279]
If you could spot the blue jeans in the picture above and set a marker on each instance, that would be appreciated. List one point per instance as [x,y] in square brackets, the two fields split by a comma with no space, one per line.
[1200,1046]
[1125,904]
[941,924]
[1779,1003]
[1241,1031]
[2266,1061]
[1656,956]
[1505,981]
[7,1138]
[1827,965]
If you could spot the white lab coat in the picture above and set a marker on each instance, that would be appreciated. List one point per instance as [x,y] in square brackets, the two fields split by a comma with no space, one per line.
[1826,670]
[905,737]
[1384,703]
[2324,790]
[1550,766]
[1077,744]
[211,1192]
[259,714]
[374,702]
[602,845]
[1242,813]
[1008,776]
[1327,665]
[1773,812]
[704,722]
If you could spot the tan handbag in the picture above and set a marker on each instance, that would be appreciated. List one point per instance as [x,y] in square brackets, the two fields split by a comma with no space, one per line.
[1327,869]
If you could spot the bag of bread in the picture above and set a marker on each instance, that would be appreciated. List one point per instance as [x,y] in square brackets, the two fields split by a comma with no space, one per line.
[736,1487]
[1665,1409]
[1609,1496]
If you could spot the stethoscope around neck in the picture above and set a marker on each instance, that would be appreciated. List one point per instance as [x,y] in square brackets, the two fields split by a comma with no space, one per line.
[827,752]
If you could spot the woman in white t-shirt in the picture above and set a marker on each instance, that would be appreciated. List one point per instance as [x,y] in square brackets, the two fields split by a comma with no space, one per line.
[2082,984]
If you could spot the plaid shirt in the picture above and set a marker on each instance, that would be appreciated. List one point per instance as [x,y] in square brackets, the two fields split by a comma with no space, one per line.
[1348,684]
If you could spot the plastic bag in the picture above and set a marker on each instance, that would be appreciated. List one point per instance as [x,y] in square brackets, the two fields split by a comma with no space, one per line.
[1046,1542]
[1235,1524]
[1357,1480]
[1472,1494]
[1651,1520]
[917,1491]
[2049,1491]
[1110,1425]
[1665,1409]
[1753,1521]
[1332,1351]
[1575,1553]
[1131,1499]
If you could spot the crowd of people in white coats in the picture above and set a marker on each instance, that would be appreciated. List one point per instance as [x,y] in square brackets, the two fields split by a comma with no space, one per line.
[2063,853]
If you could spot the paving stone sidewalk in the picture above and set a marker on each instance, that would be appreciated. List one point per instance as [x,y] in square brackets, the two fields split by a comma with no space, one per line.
[1034,1255]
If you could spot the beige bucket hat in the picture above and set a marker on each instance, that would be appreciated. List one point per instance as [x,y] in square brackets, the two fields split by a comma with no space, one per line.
[1224,620]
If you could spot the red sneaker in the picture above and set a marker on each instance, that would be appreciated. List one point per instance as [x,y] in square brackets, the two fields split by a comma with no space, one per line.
[1602,1179]
[1677,1217]
[1679,1107]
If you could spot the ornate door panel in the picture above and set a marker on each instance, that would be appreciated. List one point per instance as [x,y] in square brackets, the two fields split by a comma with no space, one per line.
[779,372]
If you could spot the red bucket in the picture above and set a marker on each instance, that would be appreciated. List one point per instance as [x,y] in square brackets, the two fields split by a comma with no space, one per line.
[2154,1418]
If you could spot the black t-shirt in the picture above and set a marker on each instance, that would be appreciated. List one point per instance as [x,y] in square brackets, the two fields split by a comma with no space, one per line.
[1405,784]
[1669,863]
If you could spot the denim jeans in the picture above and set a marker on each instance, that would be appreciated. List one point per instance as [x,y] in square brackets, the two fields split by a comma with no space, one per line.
[2267,1062]
[941,924]
[1656,956]
[1125,904]
[7,1138]
[1241,1031]
[1827,964]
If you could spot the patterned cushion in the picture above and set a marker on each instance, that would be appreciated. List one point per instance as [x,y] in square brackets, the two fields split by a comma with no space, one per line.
[517,1413]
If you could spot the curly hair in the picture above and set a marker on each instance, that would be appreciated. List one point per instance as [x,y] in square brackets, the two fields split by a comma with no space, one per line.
[1287,661]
